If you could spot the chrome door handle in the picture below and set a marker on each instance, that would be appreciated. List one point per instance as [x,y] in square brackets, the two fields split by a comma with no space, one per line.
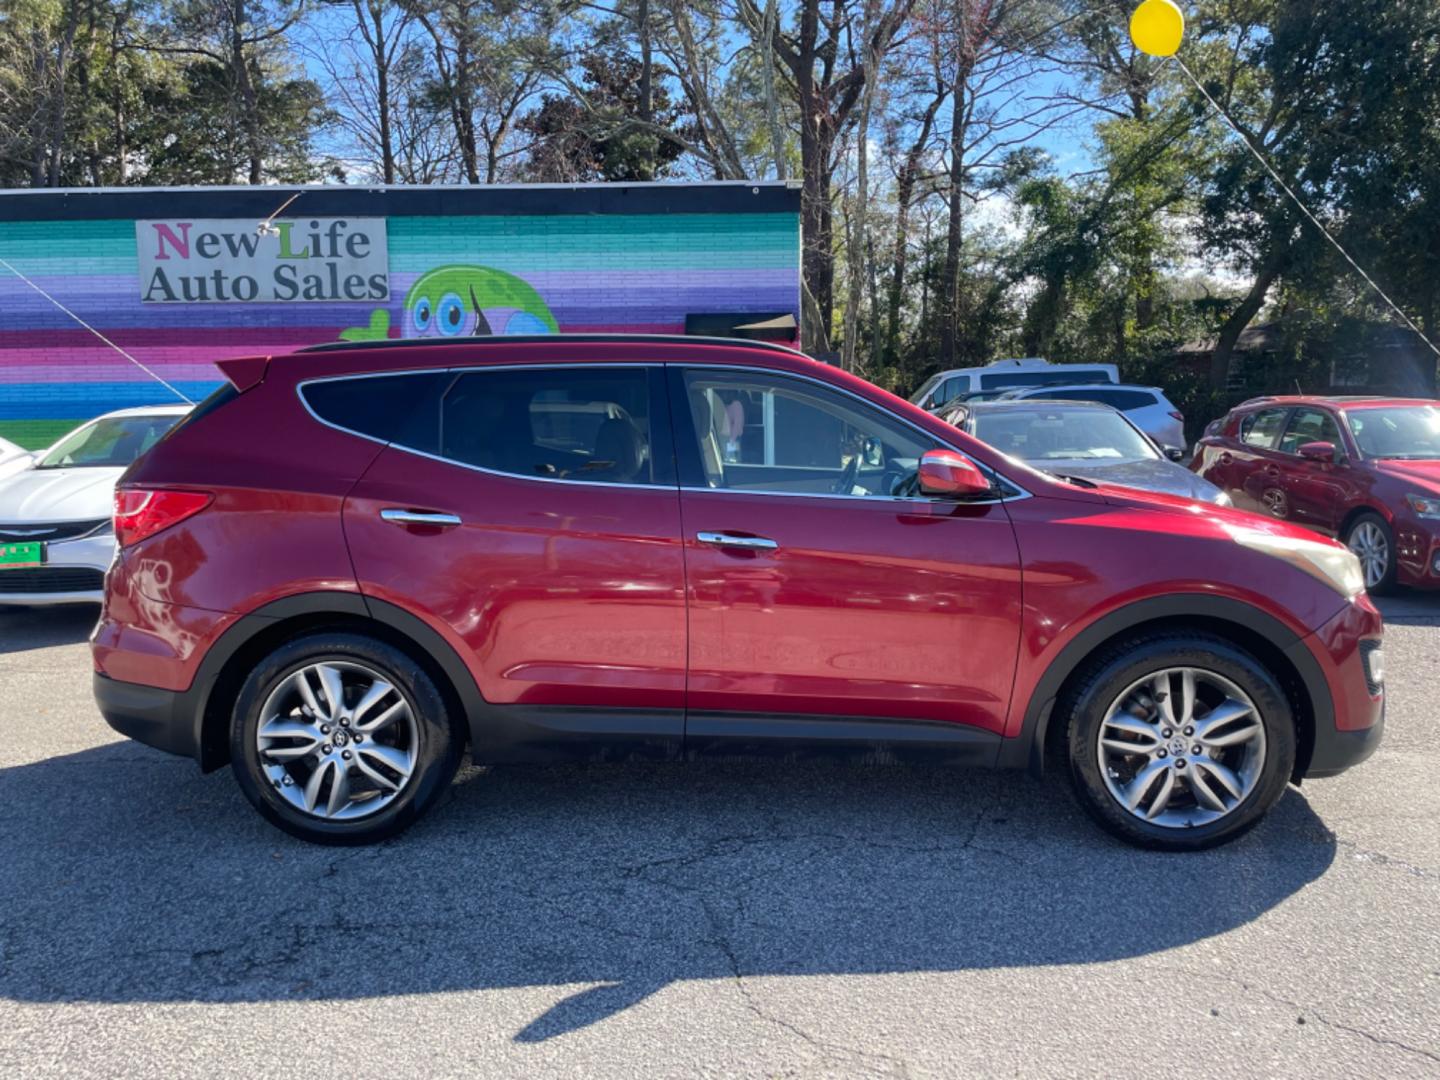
[749,543]
[396,516]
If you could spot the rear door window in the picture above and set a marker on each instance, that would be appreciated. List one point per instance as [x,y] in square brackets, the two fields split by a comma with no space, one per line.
[591,424]
[1262,429]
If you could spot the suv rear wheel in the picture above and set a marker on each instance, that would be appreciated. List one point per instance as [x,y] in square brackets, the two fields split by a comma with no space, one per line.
[1179,742]
[340,739]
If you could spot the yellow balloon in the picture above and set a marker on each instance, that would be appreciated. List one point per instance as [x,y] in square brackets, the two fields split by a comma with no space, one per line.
[1157,27]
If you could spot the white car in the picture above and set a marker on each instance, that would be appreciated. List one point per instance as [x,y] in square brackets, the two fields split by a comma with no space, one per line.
[56,539]
[1146,407]
[944,387]
[14,458]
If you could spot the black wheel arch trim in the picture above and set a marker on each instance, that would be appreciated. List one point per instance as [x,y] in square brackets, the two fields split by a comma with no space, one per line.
[1027,749]
[212,745]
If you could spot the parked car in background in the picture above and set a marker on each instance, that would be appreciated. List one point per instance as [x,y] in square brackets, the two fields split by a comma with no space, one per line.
[1363,469]
[804,564]
[55,530]
[1147,406]
[1081,439]
[943,387]
[14,458]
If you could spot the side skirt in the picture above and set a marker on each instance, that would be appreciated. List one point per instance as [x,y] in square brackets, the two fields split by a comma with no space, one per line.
[798,737]
[528,734]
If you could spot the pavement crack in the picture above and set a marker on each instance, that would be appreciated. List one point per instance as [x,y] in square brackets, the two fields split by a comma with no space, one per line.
[876,1064]
[1305,1014]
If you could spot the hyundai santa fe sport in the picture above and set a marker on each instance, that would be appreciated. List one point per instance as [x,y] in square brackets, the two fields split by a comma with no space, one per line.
[351,564]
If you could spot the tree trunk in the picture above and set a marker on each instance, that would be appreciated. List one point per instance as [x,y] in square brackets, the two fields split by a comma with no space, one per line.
[948,301]
[249,103]
[859,227]
[1240,318]
[904,193]
[379,47]
[117,104]
[56,155]
[772,99]
[647,97]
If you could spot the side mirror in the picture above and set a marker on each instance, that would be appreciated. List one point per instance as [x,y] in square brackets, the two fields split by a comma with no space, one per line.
[949,474]
[1174,453]
[1318,451]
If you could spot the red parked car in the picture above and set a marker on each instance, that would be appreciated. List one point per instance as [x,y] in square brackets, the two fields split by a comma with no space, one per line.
[629,547]
[1363,469]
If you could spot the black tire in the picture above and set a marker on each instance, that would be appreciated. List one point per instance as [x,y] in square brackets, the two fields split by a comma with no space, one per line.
[1386,584]
[1118,667]
[437,747]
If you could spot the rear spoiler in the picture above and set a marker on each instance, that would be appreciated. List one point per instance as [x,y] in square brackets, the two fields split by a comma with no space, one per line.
[244,371]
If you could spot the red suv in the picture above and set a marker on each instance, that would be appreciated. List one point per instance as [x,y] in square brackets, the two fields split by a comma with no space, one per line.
[354,562]
[1363,469]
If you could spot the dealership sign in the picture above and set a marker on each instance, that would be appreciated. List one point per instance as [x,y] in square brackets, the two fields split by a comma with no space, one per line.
[234,260]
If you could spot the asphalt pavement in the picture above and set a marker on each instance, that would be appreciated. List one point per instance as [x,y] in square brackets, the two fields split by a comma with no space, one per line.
[725,920]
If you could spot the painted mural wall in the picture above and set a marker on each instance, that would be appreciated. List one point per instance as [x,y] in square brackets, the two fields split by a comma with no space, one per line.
[601,258]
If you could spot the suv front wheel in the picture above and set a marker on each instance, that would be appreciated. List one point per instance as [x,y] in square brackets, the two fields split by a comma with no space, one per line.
[1179,742]
[339,738]
[1373,542]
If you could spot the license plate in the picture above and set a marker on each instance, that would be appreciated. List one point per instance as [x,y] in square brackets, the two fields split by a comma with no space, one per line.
[21,555]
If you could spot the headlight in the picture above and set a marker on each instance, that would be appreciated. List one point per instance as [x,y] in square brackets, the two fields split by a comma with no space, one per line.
[1425,506]
[1222,499]
[1335,566]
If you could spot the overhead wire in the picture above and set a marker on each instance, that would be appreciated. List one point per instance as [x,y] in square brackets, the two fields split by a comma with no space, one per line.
[1305,209]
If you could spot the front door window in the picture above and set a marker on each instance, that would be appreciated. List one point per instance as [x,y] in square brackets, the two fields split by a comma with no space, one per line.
[772,433]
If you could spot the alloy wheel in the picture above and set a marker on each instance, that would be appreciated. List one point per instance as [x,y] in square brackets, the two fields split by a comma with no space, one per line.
[337,740]
[1181,747]
[1368,542]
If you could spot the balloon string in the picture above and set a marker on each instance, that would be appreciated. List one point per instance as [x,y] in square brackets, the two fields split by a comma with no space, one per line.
[1305,210]
[97,333]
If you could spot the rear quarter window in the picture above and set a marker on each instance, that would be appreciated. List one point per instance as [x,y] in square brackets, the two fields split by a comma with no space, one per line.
[402,409]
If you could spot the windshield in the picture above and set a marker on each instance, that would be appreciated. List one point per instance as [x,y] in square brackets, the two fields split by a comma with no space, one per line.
[115,442]
[1049,435]
[1400,431]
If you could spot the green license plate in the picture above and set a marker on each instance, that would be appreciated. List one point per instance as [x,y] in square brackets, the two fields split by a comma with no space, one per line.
[21,555]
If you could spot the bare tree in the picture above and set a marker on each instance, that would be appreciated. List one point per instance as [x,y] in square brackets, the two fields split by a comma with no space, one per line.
[826,67]
[995,107]
[858,245]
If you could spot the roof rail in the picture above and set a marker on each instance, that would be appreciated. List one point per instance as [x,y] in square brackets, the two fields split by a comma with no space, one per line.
[521,339]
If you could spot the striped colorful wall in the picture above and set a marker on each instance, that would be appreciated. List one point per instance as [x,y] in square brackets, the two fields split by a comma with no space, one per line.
[636,258]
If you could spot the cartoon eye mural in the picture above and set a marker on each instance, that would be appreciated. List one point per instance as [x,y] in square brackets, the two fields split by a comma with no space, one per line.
[453,300]
[476,300]
[451,318]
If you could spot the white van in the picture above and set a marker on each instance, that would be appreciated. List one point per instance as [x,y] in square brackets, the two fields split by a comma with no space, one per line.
[939,389]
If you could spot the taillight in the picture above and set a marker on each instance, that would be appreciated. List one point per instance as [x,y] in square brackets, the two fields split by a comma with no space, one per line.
[140,512]
[1178,415]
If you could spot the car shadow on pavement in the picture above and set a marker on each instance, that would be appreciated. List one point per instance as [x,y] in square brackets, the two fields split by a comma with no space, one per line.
[127,877]
[25,628]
